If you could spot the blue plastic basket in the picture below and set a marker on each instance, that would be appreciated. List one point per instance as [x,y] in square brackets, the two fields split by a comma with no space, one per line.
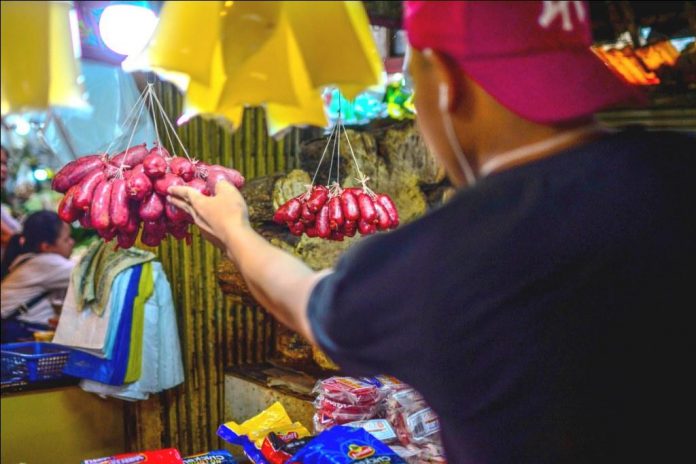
[33,361]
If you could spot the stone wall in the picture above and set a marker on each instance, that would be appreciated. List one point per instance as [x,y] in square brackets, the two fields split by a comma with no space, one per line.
[397,163]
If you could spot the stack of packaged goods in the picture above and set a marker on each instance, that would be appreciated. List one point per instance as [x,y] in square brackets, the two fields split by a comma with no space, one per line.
[388,409]
[166,456]
[341,400]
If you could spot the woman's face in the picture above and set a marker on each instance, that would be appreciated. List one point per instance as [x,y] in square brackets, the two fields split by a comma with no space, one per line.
[63,244]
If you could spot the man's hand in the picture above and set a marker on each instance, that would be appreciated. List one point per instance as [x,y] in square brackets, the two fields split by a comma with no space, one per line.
[217,216]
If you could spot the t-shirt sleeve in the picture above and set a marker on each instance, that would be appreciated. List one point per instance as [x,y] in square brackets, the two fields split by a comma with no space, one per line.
[360,314]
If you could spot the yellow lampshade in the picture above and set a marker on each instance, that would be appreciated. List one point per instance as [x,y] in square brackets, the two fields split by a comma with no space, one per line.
[39,67]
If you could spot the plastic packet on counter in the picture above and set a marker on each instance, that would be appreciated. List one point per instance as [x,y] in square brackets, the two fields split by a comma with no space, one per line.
[344,445]
[411,417]
[348,390]
[211,457]
[279,449]
[381,429]
[162,456]
[251,433]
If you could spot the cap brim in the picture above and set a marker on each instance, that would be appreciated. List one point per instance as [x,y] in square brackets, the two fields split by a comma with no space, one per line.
[553,86]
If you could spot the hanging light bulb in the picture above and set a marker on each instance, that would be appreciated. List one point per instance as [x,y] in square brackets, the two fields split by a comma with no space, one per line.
[126,29]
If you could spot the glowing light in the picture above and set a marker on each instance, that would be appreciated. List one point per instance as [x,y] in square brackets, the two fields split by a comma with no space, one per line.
[40,175]
[126,29]
[22,127]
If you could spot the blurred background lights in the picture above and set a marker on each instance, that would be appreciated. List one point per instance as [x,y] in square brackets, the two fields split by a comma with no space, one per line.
[40,174]
[126,29]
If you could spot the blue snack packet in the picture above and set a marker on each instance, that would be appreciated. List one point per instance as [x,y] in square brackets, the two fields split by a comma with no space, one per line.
[253,453]
[345,445]
[211,457]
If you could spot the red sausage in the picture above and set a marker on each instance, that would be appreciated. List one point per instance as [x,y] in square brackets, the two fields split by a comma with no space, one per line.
[311,231]
[337,236]
[296,228]
[318,198]
[218,173]
[366,228]
[133,220]
[367,208]
[169,180]
[214,177]
[133,156]
[351,211]
[349,228]
[294,209]
[83,197]
[182,168]
[232,175]
[157,228]
[118,208]
[138,185]
[100,208]
[160,151]
[383,221]
[107,234]
[179,230]
[389,206]
[126,239]
[150,240]
[154,165]
[175,214]
[200,185]
[75,171]
[151,208]
[84,220]
[323,229]
[66,209]
[307,216]
[335,214]
[281,214]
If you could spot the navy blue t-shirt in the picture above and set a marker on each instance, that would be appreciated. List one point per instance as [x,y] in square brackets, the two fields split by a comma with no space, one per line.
[547,314]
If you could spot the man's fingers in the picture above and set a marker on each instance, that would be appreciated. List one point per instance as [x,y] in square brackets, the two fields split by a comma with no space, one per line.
[186,206]
[187,194]
[225,187]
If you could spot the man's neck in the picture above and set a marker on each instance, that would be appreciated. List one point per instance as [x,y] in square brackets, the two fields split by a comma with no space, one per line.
[526,142]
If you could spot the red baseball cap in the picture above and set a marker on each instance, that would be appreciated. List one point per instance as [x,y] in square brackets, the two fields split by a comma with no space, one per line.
[534,57]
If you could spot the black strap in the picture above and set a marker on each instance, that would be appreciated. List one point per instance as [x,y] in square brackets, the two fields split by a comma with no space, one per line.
[25,307]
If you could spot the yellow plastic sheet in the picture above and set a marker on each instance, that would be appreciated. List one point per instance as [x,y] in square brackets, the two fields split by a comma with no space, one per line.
[279,55]
[135,355]
[39,68]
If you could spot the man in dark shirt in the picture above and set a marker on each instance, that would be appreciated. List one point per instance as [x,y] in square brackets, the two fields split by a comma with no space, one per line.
[546,311]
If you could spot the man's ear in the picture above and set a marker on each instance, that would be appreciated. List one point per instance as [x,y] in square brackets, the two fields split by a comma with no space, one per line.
[43,247]
[449,80]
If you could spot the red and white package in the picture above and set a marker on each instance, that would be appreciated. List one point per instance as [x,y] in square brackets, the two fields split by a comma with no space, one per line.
[349,390]
[411,417]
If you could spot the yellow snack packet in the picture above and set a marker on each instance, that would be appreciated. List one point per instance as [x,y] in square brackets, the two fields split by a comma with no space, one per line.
[273,416]
[272,419]
[295,430]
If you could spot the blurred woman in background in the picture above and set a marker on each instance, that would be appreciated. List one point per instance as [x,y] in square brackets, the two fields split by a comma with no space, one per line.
[35,269]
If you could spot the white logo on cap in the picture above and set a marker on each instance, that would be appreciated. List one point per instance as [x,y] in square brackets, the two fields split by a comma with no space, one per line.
[554,9]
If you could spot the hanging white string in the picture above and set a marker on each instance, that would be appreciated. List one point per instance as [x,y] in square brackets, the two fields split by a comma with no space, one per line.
[166,129]
[126,123]
[328,142]
[333,155]
[166,119]
[135,128]
[361,177]
[150,93]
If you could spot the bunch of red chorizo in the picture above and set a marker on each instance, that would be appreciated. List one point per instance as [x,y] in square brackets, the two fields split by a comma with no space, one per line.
[116,195]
